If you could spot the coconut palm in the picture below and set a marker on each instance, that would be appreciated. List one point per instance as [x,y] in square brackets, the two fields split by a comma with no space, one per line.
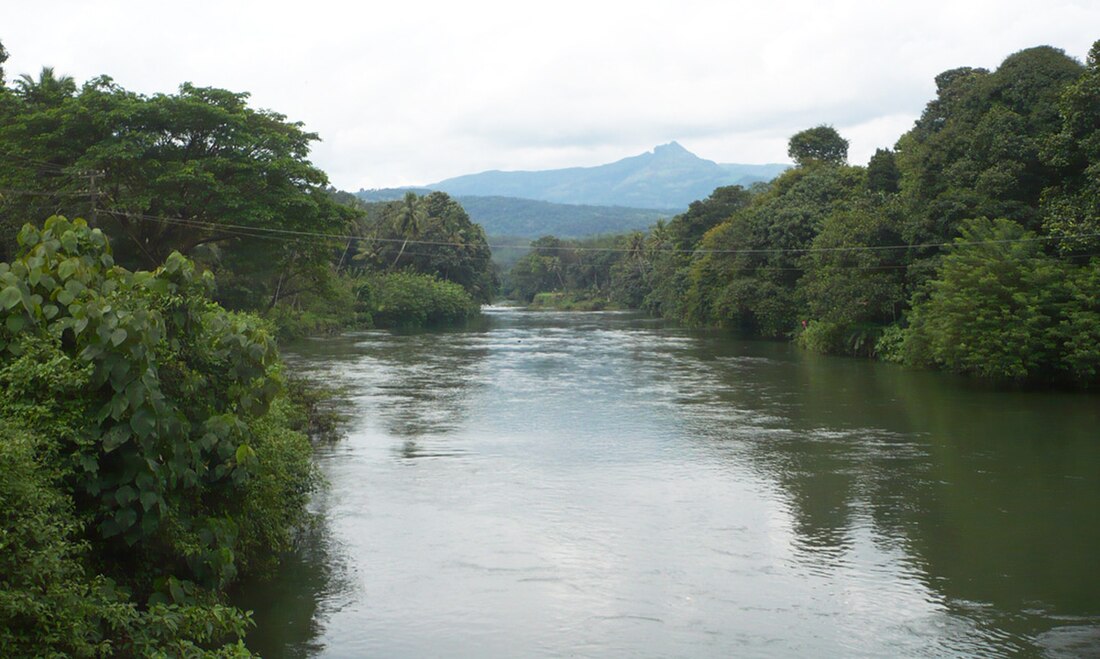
[47,90]
[411,217]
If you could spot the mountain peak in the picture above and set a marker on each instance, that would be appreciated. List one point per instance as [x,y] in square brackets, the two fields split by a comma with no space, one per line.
[669,177]
[673,148]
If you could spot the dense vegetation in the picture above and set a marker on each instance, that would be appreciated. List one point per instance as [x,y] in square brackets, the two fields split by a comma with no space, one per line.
[973,245]
[151,452]
[228,186]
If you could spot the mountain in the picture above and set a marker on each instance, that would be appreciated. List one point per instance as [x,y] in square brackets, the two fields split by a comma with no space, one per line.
[668,178]
[529,218]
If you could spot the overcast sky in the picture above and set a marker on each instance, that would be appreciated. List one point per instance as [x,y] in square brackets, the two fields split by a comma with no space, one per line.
[414,92]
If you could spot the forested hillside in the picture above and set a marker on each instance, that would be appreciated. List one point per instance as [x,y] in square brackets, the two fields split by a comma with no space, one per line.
[973,245]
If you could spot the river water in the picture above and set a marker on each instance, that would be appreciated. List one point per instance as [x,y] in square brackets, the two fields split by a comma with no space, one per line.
[602,485]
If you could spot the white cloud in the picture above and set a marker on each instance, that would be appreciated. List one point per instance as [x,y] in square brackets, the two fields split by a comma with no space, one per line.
[422,91]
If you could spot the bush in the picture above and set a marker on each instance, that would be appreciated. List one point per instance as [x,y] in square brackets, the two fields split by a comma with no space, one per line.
[408,299]
[889,347]
[1002,309]
[166,463]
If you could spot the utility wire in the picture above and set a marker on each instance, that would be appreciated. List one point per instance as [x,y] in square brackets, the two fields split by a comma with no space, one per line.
[290,233]
[37,163]
[41,193]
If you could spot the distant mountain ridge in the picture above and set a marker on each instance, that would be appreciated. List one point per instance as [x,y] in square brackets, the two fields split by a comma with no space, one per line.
[668,178]
[629,194]
[529,218]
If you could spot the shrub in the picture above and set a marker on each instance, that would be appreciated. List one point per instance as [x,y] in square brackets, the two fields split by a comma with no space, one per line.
[407,299]
[166,460]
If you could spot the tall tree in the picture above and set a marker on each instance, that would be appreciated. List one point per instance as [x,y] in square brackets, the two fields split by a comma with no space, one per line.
[431,235]
[821,144]
[198,172]
[410,216]
[1071,206]
[976,150]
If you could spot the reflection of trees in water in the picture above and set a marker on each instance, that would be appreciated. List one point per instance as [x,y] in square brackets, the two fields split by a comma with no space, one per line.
[289,609]
[416,384]
[425,381]
[990,495]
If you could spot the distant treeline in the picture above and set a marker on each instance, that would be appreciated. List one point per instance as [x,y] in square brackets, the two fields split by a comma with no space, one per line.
[973,245]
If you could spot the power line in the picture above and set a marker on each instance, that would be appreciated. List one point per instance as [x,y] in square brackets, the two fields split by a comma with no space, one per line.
[37,163]
[42,193]
[229,228]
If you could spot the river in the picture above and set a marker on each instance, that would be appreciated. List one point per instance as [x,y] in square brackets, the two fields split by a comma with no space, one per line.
[604,485]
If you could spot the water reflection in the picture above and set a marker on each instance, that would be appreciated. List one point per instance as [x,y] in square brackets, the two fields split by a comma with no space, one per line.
[425,378]
[990,495]
[604,485]
[292,610]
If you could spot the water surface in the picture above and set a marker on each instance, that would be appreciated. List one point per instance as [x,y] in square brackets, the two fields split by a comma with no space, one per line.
[564,484]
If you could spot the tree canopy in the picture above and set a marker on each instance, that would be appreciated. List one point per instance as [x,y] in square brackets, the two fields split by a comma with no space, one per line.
[821,144]
[969,246]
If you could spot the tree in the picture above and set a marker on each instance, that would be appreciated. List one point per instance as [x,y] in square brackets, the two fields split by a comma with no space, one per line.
[198,172]
[882,172]
[410,216]
[147,446]
[820,145]
[1071,206]
[748,267]
[447,243]
[48,91]
[850,289]
[976,150]
[701,216]
[539,270]
[157,400]
[1000,308]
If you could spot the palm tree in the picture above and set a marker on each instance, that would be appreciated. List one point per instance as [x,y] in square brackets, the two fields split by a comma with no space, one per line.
[411,216]
[47,90]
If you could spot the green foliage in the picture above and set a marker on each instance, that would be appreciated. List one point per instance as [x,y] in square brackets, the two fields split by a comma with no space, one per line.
[748,268]
[165,439]
[819,145]
[852,261]
[430,235]
[1071,207]
[194,172]
[569,302]
[850,285]
[540,270]
[48,606]
[409,299]
[976,150]
[882,172]
[1002,309]
[313,410]
[890,346]
[685,230]
[592,273]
